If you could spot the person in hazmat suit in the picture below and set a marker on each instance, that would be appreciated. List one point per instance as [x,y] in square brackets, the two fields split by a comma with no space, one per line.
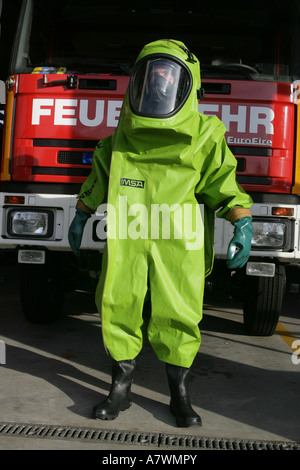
[162,174]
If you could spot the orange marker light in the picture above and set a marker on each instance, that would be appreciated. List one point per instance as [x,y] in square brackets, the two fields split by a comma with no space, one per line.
[286,211]
[14,199]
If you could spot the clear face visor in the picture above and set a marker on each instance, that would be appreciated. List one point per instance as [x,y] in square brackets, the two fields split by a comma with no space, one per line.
[159,87]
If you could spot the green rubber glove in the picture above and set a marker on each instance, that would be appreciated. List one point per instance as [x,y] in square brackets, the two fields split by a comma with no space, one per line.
[76,230]
[240,245]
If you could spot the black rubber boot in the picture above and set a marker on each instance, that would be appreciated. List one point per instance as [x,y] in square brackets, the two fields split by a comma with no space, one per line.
[180,405]
[119,398]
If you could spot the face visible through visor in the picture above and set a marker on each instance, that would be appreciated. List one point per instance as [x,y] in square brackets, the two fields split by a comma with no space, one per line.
[159,86]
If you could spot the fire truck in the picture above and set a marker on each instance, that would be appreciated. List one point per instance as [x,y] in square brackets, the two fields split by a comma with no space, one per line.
[69,70]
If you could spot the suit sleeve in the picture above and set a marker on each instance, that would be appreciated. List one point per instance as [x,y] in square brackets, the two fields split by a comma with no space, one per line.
[217,187]
[94,190]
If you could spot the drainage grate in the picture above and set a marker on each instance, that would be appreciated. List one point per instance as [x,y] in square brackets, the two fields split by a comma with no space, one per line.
[139,438]
[208,443]
[78,433]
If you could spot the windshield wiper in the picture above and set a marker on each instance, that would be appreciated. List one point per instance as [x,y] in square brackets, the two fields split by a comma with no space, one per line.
[103,67]
[233,70]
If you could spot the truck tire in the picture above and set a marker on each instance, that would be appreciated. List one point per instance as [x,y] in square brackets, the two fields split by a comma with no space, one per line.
[40,293]
[263,302]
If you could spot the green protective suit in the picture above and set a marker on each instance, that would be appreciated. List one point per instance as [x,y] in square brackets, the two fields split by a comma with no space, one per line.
[153,174]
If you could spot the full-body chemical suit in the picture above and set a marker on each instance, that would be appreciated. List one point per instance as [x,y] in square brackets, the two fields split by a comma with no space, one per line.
[163,174]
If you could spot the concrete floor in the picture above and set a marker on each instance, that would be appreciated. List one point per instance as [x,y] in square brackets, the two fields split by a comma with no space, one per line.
[244,388]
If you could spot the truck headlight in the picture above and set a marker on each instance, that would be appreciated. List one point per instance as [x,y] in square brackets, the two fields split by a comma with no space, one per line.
[30,223]
[269,234]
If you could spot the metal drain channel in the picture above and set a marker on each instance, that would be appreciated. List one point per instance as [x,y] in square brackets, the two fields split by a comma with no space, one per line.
[139,438]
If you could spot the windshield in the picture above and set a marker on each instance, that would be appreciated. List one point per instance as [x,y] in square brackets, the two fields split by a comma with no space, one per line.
[257,42]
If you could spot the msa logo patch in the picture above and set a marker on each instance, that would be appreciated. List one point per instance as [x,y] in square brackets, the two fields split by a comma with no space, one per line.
[132,183]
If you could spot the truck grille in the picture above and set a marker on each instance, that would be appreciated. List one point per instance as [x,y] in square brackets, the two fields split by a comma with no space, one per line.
[74,157]
[54,171]
[63,143]
[259,151]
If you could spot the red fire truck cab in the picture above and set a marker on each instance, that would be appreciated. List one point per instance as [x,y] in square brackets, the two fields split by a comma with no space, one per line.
[70,67]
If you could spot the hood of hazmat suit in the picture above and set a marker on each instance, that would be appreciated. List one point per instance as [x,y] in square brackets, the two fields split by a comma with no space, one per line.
[163,174]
